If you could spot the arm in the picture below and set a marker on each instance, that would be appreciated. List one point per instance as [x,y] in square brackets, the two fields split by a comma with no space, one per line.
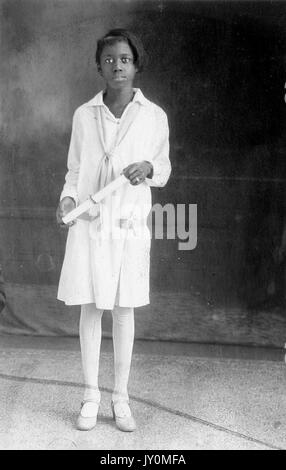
[160,162]
[69,196]
[71,179]
[156,170]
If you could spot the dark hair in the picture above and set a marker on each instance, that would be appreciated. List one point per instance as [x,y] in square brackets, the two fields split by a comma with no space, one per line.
[116,35]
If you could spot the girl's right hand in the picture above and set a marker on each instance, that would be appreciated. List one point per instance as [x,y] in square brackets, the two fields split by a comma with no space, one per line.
[66,205]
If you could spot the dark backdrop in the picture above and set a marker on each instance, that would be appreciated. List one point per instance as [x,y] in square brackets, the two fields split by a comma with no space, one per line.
[218,69]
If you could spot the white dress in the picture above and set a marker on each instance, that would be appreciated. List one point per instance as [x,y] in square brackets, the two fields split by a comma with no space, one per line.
[107,253]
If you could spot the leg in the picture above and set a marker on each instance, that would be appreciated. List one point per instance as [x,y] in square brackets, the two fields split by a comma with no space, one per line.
[123,338]
[90,340]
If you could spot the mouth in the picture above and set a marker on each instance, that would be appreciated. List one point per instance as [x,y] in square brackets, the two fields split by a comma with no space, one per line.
[119,78]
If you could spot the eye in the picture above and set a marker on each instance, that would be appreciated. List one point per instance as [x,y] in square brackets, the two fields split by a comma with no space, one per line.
[108,60]
[126,60]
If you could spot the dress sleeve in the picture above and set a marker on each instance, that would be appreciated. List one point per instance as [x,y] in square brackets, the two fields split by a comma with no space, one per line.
[160,158]
[73,164]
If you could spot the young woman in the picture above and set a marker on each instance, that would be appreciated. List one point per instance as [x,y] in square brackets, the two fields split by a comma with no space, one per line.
[106,264]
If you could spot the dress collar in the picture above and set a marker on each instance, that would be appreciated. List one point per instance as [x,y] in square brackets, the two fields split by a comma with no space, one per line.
[98,99]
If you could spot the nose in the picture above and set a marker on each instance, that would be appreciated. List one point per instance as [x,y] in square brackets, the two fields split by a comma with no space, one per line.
[117,65]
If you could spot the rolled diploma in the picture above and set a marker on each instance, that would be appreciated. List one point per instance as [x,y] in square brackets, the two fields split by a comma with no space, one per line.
[97,197]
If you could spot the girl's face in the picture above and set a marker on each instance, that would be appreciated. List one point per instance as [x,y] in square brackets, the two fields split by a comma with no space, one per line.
[116,65]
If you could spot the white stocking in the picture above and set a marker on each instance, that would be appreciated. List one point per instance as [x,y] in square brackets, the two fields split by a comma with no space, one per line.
[90,340]
[123,338]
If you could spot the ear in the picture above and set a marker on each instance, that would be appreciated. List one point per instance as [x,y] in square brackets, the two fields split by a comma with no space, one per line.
[99,70]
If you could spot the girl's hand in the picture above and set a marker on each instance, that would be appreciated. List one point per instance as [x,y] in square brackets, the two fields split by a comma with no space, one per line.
[66,205]
[137,172]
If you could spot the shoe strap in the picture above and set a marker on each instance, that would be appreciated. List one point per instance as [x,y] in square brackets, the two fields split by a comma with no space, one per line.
[123,408]
[120,400]
[90,400]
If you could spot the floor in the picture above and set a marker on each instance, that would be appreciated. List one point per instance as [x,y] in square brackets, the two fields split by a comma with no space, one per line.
[183,396]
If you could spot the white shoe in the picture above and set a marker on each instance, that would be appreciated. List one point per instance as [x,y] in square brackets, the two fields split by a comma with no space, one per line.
[88,415]
[123,416]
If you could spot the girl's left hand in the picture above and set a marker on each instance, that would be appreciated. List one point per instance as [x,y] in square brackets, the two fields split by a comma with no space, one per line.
[137,172]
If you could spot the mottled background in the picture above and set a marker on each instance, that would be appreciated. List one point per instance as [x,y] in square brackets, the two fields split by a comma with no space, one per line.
[218,69]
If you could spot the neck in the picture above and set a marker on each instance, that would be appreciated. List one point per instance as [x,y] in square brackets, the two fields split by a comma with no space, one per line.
[121,96]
